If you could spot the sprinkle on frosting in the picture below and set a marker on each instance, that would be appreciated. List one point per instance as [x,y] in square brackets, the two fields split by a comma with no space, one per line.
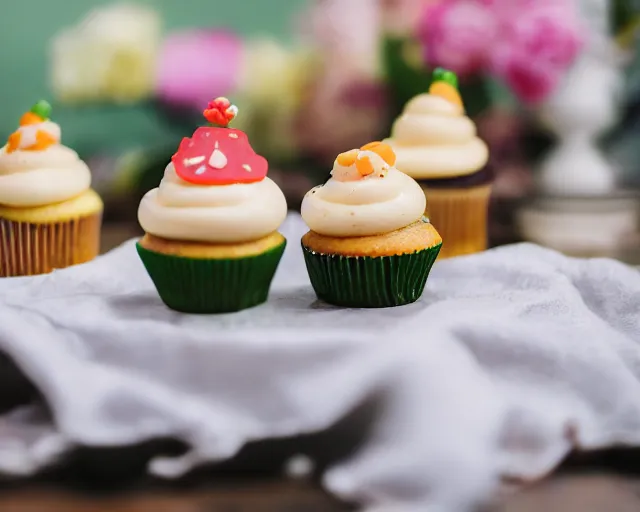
[372,160]
[219,155]
[36,131]
[445,85]
[220,112]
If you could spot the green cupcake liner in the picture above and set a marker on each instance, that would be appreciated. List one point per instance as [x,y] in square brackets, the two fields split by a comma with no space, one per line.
[370,282]
[192,285]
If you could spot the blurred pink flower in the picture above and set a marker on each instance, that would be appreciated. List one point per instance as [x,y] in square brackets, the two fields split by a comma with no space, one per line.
[536,49]
[458,35]
[198,65]
[346,102]
[340,115]
[399,17]
[530,44]
[346,33]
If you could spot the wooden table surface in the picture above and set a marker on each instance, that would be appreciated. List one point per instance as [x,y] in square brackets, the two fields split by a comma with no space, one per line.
[587,493]
[607,482]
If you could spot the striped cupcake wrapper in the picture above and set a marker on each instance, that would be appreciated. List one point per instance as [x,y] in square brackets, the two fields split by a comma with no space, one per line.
[206,286]
[28,249]
[370,282]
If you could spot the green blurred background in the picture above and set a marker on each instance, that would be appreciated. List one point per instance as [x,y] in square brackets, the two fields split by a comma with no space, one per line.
[311,77]
[29,25]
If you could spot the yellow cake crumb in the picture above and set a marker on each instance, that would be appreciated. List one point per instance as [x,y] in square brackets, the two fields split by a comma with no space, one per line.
[415,237]
[202,250]
[88,203]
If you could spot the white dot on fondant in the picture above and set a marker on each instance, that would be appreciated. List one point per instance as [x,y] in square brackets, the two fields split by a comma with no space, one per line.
[193,161]
[218,160]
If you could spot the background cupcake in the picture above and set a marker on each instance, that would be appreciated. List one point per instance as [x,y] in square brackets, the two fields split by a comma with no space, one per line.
[437,144]
[211,243]
[49,217]
[369,244]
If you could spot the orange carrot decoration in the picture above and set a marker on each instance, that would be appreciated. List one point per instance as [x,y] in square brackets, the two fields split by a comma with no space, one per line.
[364,166]
[43,141]
[38,114]
[14,142]
[362,161]
[29,118]
[383,150]
[348,159]
[445,85]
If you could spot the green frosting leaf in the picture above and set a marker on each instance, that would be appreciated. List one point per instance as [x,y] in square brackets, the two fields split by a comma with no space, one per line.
[444,75]
[42,109]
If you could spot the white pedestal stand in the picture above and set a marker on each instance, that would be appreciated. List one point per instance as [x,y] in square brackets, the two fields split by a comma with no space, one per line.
[598,226]
[579,210]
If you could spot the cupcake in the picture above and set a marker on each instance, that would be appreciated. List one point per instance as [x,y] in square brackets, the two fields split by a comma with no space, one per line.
[369,244]
[49,217]
[211,243]
[437,145]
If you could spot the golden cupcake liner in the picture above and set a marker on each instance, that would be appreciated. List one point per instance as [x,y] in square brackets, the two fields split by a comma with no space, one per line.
[461,217]
[28,249]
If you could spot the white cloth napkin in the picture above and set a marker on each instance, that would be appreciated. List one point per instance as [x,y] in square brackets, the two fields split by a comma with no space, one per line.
[510,359]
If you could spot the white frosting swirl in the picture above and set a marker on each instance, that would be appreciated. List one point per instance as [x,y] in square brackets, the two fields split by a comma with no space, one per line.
[378,204]
[41,177]
[434,139]
[242,212]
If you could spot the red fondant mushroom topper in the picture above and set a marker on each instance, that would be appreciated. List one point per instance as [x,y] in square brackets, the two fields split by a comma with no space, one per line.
[219,155]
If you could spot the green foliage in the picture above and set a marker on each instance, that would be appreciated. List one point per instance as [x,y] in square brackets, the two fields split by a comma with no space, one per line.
[407,76]
[475,94]
[624,13]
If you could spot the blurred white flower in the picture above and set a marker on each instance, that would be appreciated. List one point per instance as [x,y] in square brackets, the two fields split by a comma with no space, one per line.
[272,84]
[272,72]
[400,17]
[264,77]
[345,105]
[347,33]
[109,56]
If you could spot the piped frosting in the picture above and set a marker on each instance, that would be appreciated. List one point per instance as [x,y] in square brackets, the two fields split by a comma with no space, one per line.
[35,169]
[433,138]
[365,196]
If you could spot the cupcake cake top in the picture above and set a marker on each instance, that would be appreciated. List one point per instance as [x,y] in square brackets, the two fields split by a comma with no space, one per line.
[215,189]
[366,195]
[35,168]
[433,138]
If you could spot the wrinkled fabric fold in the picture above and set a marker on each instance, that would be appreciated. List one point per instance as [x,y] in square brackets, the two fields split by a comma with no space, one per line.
[508,359]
